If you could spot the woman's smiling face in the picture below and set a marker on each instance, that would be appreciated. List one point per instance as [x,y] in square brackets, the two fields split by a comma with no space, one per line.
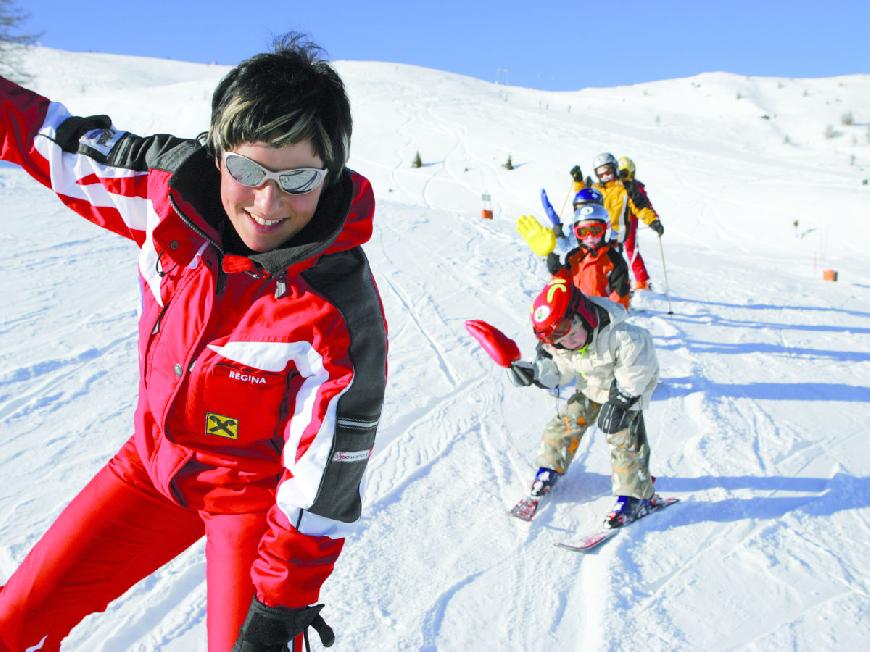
[266,216]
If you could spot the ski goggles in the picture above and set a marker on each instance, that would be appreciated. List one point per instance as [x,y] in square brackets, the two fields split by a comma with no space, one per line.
[555,333]
[569,333]
[249,173]
[594,230]
[605,173]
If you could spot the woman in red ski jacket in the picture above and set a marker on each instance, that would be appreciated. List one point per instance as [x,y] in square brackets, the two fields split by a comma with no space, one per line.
[262,353]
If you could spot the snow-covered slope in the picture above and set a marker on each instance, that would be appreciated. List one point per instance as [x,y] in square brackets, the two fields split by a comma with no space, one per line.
[760,423]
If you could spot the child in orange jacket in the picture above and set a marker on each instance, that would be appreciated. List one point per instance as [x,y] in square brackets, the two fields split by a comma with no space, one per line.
[596,265]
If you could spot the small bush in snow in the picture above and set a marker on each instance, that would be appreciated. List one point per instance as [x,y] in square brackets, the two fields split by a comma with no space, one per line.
[848,119]
[830,132]
[417,162]
[509,164]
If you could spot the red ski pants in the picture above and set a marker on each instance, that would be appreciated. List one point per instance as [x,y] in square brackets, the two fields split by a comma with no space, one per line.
[118,530]
[632,253]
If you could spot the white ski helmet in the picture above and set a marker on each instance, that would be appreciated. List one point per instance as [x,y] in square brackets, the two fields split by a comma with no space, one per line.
[591,213]
[591,217]
[605,158]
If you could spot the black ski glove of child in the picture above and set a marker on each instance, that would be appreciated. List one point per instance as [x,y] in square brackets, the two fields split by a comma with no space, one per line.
[553,263]
[270,629]
[616,414]
[542,373]
[658,227]
[577,173]
[522,373]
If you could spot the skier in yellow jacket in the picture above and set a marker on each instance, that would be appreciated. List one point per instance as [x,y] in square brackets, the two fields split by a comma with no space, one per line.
[620,200]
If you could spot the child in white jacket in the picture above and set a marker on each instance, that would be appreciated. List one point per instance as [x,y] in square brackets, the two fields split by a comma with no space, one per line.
[614,364]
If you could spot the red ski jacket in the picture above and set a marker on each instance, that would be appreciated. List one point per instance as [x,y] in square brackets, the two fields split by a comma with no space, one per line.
[261,377]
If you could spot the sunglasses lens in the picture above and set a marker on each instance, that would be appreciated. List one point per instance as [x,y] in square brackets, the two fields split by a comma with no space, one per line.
[244,171]
[301,180]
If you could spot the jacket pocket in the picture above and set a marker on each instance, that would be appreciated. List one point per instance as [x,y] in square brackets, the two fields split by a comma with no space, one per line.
[230,406]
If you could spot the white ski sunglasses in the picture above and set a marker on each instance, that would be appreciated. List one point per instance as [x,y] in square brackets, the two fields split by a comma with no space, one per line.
[249,173]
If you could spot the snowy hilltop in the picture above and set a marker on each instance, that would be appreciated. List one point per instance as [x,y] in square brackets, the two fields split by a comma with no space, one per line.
[759,424]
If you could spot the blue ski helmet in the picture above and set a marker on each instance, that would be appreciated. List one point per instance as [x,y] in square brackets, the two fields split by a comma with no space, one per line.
[588,196]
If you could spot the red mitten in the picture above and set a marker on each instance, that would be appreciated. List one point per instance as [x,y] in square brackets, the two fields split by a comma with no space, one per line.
[500,347]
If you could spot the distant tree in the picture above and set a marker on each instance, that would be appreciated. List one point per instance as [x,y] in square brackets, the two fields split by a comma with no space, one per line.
[417,162]
[509,164]
[13,41]
[848,119]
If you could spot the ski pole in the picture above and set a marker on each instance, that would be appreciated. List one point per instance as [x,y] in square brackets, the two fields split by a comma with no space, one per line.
[665,269]
[565,201]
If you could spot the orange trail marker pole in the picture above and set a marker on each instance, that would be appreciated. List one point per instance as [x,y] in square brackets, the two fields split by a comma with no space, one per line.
[486,211]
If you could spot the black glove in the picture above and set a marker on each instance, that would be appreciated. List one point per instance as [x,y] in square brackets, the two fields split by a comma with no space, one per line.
[522,373]
[656,225]
[270,629]
[577,173]
[554,265]
[615,415]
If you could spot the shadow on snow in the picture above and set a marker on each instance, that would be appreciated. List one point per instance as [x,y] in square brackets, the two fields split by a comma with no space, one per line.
[669,388]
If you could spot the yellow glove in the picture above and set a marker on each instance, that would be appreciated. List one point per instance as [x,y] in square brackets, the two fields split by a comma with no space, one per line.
[541,240]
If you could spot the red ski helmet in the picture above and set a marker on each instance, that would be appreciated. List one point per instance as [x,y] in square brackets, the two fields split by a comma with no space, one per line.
[558,302]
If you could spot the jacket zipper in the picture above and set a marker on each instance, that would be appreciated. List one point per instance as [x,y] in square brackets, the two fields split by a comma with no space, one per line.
[221,276]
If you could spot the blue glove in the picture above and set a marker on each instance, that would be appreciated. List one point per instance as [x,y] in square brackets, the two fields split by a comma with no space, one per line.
[550,211]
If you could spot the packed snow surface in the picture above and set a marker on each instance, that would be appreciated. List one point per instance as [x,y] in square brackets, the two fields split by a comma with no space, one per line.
[760,424]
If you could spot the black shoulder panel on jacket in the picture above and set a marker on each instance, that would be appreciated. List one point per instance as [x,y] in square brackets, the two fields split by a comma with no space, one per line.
[619,281]
[638,198]
[345,279]
[161,151]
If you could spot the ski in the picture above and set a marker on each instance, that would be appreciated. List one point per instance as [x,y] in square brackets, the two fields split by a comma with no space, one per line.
[594,540]
[526,508]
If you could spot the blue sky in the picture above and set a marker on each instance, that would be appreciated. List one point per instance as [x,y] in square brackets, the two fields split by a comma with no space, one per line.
[556,45]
